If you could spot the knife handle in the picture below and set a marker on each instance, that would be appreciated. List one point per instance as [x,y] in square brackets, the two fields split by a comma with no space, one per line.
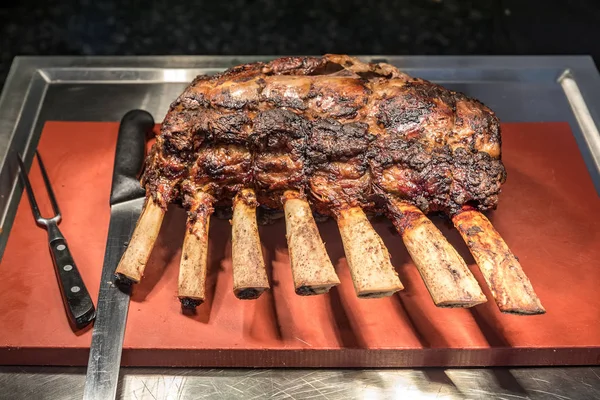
[129,156]
[76,298]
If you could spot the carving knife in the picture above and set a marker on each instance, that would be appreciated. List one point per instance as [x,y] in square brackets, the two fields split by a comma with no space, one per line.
[126,200]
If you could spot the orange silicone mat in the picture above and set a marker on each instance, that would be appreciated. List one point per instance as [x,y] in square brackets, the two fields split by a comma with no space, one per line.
[548,214]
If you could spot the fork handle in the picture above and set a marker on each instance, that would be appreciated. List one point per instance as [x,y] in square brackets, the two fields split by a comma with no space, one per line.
[76,299]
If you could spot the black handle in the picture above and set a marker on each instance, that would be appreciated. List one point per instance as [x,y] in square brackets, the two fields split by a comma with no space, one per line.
[129,156]
[78,303]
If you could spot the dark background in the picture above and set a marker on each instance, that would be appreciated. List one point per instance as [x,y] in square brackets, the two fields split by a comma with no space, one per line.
[270,27]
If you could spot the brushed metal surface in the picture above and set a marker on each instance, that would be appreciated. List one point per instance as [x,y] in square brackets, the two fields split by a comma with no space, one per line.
[519,89]
[60,383]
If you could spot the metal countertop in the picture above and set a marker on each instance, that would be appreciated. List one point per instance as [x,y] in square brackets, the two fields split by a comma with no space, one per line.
[57,383]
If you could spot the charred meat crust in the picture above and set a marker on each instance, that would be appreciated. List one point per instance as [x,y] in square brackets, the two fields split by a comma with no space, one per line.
[343,132]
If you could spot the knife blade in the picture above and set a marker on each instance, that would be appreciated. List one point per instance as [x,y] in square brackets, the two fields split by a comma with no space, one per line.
[126,202]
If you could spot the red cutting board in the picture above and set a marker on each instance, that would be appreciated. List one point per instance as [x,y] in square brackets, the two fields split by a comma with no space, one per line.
[548,214]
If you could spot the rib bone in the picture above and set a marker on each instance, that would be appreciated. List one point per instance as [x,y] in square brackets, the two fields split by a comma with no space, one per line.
[502,271]
[446,275]
[249,273]
[134,259]
[368,259]
[312,270]
[194,255]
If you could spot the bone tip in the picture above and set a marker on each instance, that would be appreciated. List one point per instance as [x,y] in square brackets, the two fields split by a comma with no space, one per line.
[460,303]
[310,290]
[124,280]
[249,293]
[536,309]
[188,303]
[379,293]
[376,295]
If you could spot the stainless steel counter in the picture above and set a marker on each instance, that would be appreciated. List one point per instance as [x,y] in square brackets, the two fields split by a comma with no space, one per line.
[137,383]
[103,88]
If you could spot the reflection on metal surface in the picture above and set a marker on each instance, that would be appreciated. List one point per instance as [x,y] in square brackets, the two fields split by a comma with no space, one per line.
[124,75]
[176,75]
[582,113]
[149,383]
[18,142]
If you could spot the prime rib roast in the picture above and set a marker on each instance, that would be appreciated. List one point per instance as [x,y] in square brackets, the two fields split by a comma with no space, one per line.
[331,137]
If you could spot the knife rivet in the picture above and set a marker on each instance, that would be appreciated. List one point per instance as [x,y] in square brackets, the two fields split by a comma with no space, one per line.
[60,247]
[68,267]
[75,289]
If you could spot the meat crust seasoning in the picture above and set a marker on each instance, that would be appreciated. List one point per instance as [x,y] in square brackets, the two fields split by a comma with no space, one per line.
[337,137]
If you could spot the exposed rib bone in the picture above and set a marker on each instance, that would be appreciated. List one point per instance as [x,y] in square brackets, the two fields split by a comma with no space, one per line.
[501,269]
[249,273]
[194,255]
[134,259]
[311,268]
[368,259]
[446,275]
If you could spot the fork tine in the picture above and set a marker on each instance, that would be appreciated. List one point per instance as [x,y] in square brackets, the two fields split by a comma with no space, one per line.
[25,179]
[48,186]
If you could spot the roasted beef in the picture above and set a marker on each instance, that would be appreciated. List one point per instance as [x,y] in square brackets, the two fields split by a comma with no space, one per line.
[339,131]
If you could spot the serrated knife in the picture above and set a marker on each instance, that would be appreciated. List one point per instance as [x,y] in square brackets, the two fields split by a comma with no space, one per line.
[126,201]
